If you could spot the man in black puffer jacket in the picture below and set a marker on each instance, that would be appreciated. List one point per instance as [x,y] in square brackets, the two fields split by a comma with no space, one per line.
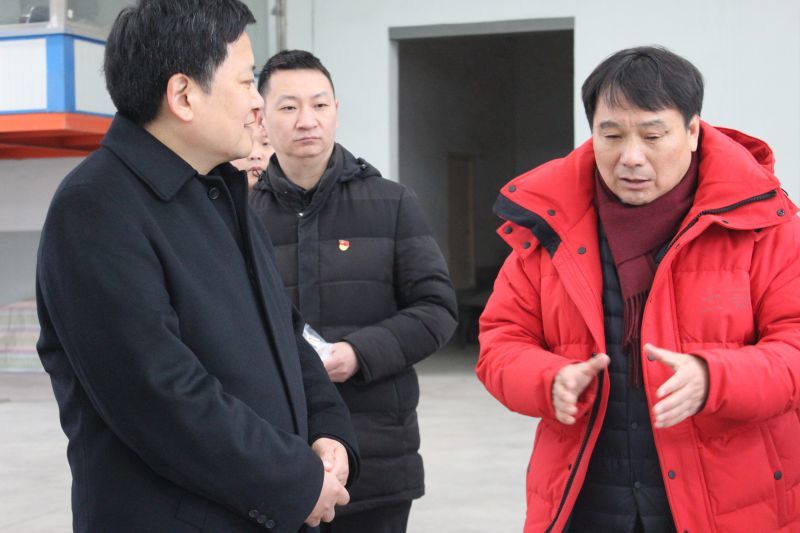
[359,261]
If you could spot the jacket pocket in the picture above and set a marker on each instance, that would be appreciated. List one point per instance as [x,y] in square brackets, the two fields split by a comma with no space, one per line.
[193,510]
[738,473]
[548,470]
[781,436]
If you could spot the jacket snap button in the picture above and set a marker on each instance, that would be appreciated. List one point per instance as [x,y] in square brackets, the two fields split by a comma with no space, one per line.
[213,193]
[637,485]
[778,475]
[781,212]
[507,230]
[269,524]
[526,245]
[581,250]
[551,212]
[671,474]
[261,519]
[253,513]
[512,188]
[301,215]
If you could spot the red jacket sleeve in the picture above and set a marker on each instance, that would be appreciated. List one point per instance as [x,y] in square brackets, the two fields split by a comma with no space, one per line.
[757,382]
[514,364]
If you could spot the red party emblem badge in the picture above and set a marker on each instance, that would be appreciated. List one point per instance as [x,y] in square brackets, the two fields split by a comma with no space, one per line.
[344,245]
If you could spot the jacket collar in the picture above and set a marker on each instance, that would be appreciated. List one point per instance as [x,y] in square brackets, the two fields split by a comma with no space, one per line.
[342,167]
[161,169]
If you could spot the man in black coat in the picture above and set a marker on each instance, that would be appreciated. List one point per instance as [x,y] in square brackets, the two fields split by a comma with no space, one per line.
[189,398]
[359,260]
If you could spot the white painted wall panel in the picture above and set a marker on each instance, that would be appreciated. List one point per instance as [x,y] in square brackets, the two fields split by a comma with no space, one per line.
[91,95]
[23,71]
[28,186]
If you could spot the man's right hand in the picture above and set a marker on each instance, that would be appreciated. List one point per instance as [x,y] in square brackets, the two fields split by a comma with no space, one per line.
[333,493]
[569,384]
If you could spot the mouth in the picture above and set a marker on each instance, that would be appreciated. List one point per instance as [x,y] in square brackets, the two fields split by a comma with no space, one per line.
[307,139]
[256,171]
[635,183]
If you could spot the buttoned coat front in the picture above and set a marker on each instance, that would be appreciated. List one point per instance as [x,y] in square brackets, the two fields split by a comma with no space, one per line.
[186,391]
[727,290]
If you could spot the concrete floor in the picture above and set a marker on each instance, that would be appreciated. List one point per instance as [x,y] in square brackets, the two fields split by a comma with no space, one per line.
[475,454]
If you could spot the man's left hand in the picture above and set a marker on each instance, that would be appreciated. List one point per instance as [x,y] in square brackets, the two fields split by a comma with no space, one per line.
[342,363]
[334,457]
[685,393]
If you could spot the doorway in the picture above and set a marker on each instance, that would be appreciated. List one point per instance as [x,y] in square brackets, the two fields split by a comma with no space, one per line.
[478,104]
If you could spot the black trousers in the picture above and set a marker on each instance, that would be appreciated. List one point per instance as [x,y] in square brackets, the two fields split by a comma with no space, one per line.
[386,519]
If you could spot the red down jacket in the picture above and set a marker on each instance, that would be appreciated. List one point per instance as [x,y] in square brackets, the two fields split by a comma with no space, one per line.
[727,290]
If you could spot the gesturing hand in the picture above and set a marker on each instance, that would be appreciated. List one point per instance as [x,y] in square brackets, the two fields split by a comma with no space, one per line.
[570,382]
[685,393]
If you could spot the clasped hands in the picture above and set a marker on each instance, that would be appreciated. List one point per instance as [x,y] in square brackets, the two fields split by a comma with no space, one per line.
[334,459]
[680,397]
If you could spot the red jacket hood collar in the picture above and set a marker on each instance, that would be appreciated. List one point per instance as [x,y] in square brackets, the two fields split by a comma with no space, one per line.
[733,167]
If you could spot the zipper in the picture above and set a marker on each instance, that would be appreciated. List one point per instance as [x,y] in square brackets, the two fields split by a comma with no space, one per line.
[717,211]
[592,420]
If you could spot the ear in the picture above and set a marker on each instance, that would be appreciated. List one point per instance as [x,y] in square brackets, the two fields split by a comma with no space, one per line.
[179,96]
[694,132]
[337,113]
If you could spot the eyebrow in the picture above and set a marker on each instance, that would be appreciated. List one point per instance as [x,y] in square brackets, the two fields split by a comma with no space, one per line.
[283,97]
[608,124]
[650,123]
[646,124]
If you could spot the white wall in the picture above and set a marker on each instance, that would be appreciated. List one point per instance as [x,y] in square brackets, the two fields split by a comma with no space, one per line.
[748,51]
[28,186]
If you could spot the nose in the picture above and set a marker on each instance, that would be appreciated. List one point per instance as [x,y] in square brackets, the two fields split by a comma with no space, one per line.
[256,102]
[305,118]
[632,154]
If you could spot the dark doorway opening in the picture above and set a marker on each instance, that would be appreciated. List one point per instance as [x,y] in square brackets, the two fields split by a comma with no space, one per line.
[473,112]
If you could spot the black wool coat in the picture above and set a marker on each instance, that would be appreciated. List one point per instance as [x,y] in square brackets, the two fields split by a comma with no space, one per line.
[187,394]
[361,264]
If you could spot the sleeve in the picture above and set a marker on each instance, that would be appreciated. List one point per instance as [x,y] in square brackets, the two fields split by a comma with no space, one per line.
[107,297]
[757,382]
[426,301]
[328,416]
[514,364]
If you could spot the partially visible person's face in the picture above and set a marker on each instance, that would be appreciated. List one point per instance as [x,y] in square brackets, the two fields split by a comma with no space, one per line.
[226,115]
[300,114]
[642,155]
[257,161]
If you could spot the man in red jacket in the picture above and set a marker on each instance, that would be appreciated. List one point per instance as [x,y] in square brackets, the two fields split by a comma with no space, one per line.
[649,314]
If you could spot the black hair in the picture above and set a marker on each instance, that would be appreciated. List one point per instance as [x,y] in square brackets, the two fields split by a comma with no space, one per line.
[155,39]
[648,77]
[290,60]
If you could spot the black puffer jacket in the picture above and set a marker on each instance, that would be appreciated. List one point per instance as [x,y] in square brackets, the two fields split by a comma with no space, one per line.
[367,271]
[623,485]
